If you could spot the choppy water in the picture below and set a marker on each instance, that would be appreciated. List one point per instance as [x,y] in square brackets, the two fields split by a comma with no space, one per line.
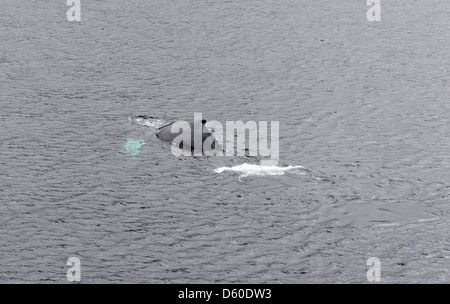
[363,108]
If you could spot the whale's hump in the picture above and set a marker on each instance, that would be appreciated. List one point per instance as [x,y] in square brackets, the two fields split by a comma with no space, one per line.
[165,133]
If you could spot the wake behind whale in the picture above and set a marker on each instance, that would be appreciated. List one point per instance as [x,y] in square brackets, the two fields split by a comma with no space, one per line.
[245,170]
[148,121]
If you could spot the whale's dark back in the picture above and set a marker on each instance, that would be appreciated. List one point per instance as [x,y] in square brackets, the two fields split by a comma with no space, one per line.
[165,134]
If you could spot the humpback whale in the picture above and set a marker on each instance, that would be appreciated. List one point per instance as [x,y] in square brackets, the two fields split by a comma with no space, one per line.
[206,138]
[186,135]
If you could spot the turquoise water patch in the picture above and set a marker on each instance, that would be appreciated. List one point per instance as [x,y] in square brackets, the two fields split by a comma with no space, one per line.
[133,146]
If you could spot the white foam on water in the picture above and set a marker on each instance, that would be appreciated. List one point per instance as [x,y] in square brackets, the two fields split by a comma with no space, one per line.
[257,170]
[148,121]
[423,220]
[426,220]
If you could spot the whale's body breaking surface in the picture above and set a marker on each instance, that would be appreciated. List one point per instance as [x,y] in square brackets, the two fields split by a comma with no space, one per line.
[199,137]
[172,133]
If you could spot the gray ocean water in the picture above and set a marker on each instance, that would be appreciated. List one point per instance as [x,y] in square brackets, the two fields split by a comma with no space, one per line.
[363,106]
